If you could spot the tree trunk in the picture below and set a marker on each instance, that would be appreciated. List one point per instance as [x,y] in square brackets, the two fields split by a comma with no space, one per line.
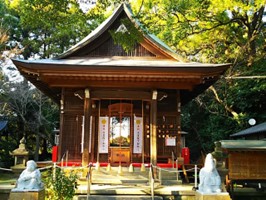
[36,153]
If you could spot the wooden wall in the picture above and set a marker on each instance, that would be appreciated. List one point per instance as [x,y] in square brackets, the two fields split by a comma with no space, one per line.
[71,126]
[71,118]
[247,165]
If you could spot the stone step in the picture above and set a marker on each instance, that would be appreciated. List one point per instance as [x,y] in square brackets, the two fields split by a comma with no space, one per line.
[123,172]
[116,181]
[118,197]
[112,177]
[169,177]
[171,182]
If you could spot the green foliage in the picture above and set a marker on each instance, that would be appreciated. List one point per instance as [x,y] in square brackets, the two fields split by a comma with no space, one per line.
[127,38]
[61,186]
[49,27]
[208,31]
[208,120]
[3,29]
[7,145]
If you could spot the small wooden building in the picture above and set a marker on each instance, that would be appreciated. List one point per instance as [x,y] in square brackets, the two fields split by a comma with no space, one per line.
[120,106]
[246,160]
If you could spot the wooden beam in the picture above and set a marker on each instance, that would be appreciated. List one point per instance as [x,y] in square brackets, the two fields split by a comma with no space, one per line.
[120,94]
[187,85]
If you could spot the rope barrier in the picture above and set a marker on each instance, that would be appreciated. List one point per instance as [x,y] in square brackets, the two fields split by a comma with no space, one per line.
[171,171]
[5,169]
[47,167]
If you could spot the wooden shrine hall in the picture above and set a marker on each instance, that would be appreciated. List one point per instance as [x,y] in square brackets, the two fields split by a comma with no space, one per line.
[117,106]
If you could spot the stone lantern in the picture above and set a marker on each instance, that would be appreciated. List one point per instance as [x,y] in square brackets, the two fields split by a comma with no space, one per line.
[21,156]
[220,157]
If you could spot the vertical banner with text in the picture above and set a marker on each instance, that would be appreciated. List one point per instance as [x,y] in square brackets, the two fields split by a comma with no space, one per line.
[103,135]
[138,134]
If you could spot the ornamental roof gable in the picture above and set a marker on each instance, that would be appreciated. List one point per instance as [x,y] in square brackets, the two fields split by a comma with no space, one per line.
[101,42]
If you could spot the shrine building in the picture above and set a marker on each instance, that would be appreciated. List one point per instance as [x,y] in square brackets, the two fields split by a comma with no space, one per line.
[120,107]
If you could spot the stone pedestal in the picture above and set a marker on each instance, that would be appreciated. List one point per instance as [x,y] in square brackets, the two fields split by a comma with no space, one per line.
[212,196]
[27,195]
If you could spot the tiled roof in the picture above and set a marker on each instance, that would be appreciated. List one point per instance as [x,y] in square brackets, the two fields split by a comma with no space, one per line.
[252,130]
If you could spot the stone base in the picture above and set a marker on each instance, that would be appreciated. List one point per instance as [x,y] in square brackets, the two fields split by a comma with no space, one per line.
[27,195]
[214,196]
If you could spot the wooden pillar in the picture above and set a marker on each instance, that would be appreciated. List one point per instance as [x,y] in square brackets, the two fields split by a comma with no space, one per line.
[93,138]
[87,114]
[153,129]
[178,124]
[61,129]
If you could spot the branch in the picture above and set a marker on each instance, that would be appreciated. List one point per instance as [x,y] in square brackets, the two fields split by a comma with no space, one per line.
[227,108]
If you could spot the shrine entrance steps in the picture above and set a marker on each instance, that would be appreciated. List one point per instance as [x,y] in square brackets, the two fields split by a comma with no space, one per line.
[119,183]
[117,176]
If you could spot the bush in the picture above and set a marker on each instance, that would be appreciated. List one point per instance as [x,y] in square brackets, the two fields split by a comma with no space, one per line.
[60,186]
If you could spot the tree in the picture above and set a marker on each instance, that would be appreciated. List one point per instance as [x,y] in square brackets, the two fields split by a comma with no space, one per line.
[215,31]
[49,27]
[32,115]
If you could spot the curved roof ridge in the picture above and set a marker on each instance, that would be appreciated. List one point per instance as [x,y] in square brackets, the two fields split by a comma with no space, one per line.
[151,37]
[94,34]
[108,22]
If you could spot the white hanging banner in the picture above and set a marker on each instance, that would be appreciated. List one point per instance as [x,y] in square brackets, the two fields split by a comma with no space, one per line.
[82,135]
[103,135]
[90,134]
[138,134]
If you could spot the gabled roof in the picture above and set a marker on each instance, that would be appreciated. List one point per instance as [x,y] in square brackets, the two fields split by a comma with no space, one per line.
[252,130]
[95,62]
[149,40]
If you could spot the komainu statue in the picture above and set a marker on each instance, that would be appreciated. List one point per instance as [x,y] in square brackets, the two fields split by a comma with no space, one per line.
[210,181]
[30,178]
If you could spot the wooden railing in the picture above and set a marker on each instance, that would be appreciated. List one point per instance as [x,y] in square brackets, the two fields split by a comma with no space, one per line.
[152,180]
[89,178]
[62,159]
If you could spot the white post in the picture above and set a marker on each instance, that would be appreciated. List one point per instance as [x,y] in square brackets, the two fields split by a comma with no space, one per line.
[66,159]
[54,171]
[88,182]
[177,170]
[62,162]
[196,176]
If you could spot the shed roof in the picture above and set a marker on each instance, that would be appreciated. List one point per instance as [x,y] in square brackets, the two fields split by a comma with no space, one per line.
[252,130]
